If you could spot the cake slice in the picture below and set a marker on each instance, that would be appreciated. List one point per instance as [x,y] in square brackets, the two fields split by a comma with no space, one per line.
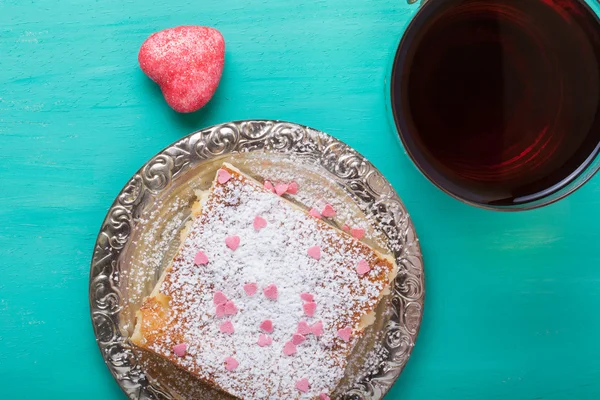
[262,300]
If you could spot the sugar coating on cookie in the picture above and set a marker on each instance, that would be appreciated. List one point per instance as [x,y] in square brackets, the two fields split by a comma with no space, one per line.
[186,62]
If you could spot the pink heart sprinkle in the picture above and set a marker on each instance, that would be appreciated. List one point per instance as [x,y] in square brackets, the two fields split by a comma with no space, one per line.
[223,176]
[362,267]
[220,310]
[264,340]
[310,308]
[314,252]
[230,308]
[250,288]
[344,334]
[259,223]
[232,242]
[328,211]
[315,213]
[317,328]
[289,348]
[180,349]
[303,385]
[281,188]
[269,186]
[271,291]
[219,298]
[231,364]
[201,258]
[298,339]
[323,396]
[267,326]
[292,188]
[345,228]
[307,296]
[358,232]
[303,328]
[226,327]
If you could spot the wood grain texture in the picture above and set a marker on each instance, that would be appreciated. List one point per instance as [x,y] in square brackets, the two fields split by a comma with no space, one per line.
[512,299]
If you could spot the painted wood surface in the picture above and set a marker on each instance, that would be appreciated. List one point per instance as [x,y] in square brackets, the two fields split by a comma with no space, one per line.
[512,299]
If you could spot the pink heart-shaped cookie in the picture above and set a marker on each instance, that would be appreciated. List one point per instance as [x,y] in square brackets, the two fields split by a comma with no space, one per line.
[186,62]
[232,242]
[298,339]
[227,327]
[267,326]
[200,258]
[328,211]
[219,298]
[317,328]
[231,364]
[303,385]
[358,233]
[269,186]
[180,349]
[271,292]
[264,340]
[230,308]
[281,188]
[344,334]
[314,213]
[250,288]
[314,252]
[292,188]
[289,348]
[223,176]
[362,267]
[303,328]
[307,296]
[310,308]
[259,223]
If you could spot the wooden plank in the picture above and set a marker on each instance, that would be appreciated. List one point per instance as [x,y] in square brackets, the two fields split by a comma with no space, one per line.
[512,299]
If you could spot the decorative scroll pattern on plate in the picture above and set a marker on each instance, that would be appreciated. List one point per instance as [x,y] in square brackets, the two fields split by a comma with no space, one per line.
[371,191]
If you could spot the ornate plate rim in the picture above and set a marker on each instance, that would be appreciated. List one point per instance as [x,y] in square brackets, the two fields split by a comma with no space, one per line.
[368,187]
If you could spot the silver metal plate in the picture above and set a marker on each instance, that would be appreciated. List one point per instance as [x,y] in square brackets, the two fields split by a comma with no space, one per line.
[152,208]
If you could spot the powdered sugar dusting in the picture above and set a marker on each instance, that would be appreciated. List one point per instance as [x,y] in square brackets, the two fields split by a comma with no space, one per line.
[157,242]
[276,254]
[313,191]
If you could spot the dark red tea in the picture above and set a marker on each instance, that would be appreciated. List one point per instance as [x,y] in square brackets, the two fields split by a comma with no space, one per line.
[498,101]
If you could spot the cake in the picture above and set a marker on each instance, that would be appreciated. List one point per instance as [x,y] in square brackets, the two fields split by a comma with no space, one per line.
[264,299]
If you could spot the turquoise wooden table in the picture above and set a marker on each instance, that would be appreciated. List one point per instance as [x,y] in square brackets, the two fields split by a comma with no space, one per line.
[512,299]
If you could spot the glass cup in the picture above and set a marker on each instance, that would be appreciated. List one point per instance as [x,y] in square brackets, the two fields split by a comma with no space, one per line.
[497,102]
